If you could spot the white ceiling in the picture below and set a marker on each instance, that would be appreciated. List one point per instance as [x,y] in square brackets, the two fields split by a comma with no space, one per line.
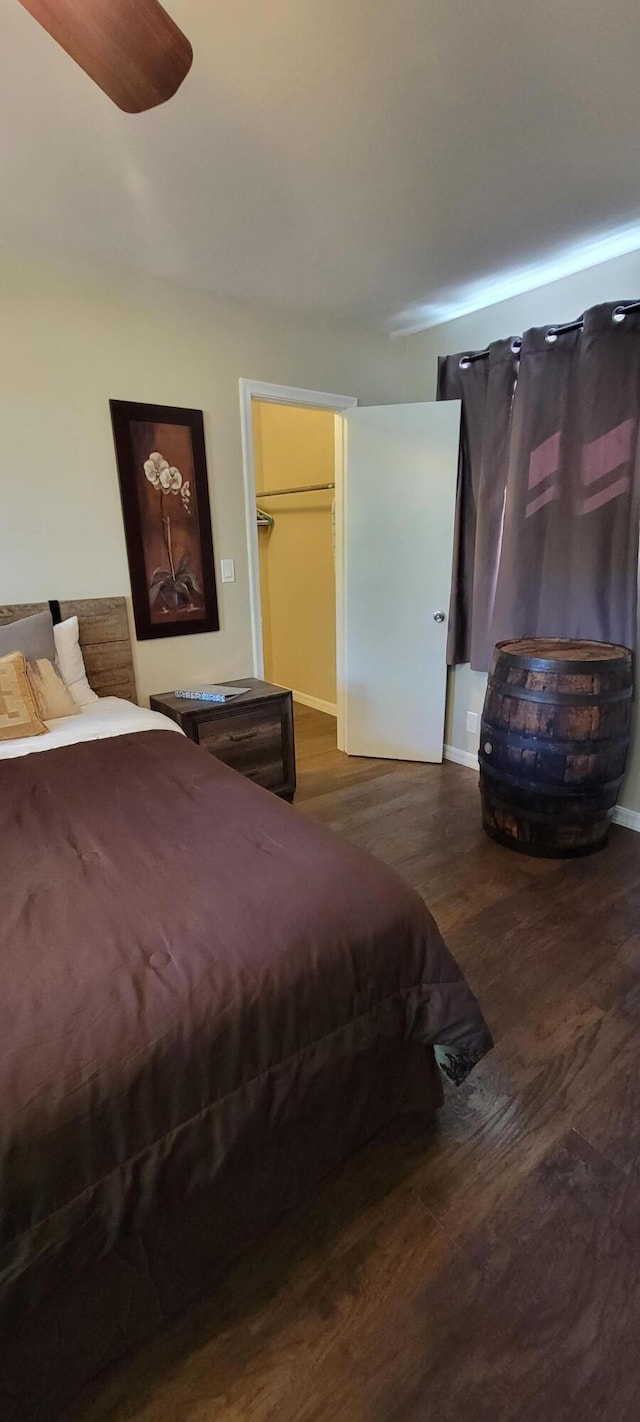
[374,159]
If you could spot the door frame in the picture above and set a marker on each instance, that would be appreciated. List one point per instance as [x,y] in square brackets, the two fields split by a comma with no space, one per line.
[262,390]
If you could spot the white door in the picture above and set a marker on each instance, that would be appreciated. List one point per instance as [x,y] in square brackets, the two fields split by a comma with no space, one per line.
[399,489]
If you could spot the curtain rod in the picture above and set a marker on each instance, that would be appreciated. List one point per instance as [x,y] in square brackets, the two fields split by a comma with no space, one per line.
[617,315]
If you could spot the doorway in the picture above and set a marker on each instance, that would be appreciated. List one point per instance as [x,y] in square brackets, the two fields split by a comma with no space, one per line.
[279,624]
[395,489]
[294,454]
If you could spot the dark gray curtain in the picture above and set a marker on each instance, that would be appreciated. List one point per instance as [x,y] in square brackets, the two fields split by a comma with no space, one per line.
[503,369]
[555,537]
[485,387]
[468,384]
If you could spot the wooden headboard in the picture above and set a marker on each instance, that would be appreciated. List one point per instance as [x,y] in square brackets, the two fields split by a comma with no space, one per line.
[104,638]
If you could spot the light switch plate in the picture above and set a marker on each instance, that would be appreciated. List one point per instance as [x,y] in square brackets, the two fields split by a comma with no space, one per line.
[472,721]
[228,570]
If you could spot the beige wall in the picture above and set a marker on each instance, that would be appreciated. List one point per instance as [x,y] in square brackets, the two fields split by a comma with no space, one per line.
[294,447]
[559,301]
[73,339]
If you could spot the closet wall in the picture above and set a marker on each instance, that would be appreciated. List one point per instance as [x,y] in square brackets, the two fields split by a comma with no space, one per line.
[295,447]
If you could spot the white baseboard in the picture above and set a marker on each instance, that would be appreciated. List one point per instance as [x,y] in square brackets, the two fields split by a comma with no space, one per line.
[329,707]
[461,757]
[630,819]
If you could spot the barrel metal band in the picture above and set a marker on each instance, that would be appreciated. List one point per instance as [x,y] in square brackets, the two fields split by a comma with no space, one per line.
[538,815]
[572,792]
[543,743]
[564,698]
[576,667]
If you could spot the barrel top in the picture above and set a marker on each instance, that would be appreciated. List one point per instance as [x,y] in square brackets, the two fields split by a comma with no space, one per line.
[551,649]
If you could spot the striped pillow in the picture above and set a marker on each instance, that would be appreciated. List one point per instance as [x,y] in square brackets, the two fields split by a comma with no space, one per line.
[53,699]
[18,714]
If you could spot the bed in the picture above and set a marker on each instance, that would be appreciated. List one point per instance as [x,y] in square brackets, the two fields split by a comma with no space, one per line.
[208,1003]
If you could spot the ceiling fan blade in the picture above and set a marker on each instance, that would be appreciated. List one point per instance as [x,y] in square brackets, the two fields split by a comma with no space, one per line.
[131,48]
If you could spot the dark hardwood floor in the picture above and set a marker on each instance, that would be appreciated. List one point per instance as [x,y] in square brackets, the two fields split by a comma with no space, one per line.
[487,1269]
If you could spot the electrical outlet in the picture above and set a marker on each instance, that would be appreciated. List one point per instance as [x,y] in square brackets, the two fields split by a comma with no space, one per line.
[227,566]
[472,722]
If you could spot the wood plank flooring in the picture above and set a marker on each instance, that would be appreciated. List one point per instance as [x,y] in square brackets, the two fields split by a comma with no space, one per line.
[486,1269]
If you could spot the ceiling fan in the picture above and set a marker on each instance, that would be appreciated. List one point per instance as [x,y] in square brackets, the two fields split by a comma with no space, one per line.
[131,48]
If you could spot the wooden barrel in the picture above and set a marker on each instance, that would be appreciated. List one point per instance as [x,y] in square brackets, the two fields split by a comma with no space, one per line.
[553,743]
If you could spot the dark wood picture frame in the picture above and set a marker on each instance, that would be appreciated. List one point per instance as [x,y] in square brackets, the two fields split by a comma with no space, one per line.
[167,518]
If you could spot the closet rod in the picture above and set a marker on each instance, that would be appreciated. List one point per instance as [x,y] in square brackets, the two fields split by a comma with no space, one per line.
[306,489]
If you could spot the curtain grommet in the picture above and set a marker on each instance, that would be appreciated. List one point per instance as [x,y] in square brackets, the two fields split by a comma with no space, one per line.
[551,336]
[464,363]
[618,314]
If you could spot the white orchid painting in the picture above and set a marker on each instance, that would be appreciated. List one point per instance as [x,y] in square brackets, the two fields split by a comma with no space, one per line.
[171,588]
[164,488]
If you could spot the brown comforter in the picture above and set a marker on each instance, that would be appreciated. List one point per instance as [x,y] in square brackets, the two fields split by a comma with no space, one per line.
[202,992]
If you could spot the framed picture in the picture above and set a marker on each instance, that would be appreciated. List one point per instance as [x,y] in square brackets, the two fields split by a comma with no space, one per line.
[162,468]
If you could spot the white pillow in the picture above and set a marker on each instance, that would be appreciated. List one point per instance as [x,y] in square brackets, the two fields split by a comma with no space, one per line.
[70,662]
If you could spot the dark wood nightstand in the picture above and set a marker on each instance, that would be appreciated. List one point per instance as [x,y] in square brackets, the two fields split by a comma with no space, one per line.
[253,734]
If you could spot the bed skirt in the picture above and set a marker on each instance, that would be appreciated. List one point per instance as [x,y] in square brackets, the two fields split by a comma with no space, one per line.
[97,1312]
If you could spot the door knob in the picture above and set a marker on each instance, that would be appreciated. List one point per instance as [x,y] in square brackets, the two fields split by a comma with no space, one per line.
[438,616]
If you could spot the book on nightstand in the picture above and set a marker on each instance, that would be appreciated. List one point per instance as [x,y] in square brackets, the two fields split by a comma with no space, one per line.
[213,693]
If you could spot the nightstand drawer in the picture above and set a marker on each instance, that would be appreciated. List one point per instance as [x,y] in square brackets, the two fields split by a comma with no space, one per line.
[250,741]
[253,734]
